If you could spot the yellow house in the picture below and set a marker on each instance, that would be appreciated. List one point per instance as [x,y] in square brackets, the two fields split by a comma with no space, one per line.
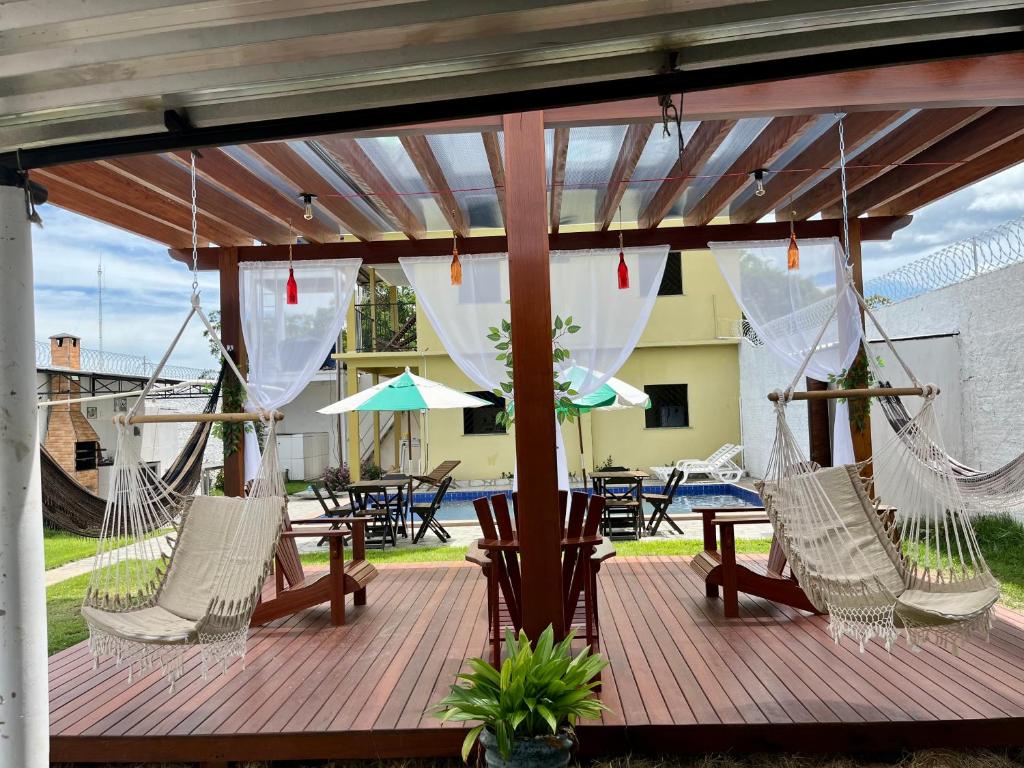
[687,361]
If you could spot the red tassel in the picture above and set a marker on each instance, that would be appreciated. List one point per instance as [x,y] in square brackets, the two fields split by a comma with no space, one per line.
[292,288]
[623,272]
[456,267]
[793,254]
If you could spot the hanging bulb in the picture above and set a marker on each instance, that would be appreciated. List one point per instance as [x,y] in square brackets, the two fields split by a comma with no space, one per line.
[759,190]
[793,254]
[291,288]
[623,269]
[307,200]
[456,264]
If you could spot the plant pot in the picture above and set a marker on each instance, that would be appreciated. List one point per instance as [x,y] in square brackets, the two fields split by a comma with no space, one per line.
[528,752]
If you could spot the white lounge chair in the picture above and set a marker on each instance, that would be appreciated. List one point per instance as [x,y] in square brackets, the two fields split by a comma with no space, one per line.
[718,466]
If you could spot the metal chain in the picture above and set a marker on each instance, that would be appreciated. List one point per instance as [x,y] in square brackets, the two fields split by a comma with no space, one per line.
[842,182]
[195,235]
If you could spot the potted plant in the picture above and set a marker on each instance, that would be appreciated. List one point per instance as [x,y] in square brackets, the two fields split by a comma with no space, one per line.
[528,709]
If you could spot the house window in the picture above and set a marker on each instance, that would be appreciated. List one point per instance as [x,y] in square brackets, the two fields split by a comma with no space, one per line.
[86,452]
[672,278]
[483,420]
[669,406]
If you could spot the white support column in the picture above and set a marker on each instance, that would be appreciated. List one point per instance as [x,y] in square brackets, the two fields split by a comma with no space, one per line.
[24,727]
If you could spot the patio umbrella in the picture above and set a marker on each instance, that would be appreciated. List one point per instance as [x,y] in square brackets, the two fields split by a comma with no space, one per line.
[405,392]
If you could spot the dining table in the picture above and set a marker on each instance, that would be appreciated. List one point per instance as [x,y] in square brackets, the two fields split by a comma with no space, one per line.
[623,492]
[393,491]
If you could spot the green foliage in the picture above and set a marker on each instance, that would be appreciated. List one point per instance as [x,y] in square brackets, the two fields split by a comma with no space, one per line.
[60,547]
[370,471]
[537,692]
[337,478]
[606,464]
[563,392]
[858,376]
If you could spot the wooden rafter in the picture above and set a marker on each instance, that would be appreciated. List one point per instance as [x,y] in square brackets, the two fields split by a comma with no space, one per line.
[706,139]
[81,201]
[771,142]
[219,168]
[170,179]
[558,156]
[430,171]
[822,153]
[903,142]
[286,162]
[1002,157]
[368,176]
[633,144]
[497,165]
[984,134]
[107,183]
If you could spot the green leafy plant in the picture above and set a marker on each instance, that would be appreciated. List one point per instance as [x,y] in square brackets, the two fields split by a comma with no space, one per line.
[370,471]
[858,376]
[537,692]
[502,338]
[606,464]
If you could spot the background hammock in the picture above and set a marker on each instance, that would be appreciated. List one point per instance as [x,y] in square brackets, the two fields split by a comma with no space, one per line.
[69,506]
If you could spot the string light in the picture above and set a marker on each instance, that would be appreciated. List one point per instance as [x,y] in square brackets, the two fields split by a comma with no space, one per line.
[759,190]
[307,200]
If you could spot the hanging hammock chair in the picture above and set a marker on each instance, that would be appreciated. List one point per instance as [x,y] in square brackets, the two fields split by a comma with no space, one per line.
[1000,491]
[884,546]
[152,600]
[69,506]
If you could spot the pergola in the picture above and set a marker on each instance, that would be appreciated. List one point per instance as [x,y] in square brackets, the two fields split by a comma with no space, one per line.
[449,119]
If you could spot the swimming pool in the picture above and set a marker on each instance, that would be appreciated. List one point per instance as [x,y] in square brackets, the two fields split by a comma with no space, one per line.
[458,504]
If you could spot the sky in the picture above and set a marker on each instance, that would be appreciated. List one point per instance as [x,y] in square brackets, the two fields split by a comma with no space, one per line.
[146,294]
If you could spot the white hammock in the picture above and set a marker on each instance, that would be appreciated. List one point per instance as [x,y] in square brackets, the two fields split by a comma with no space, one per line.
[153,599]
[913,565]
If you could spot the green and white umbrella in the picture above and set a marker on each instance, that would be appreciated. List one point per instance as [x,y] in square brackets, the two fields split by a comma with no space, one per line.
[405,392]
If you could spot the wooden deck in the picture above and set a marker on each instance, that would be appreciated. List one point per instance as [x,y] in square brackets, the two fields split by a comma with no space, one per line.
[681,679]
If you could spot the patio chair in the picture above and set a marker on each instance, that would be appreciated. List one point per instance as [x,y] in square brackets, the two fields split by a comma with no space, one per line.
[333,511]
[583,551]
[428,514]
[295,591]
[719,466]
[378,507]
[623,516]
[439,473]
[661,502]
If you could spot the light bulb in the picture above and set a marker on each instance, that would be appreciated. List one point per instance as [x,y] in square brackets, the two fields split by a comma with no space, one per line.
[307,199]
[759,179]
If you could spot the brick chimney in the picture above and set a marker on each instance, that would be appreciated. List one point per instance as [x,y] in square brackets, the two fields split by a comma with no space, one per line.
[70,438]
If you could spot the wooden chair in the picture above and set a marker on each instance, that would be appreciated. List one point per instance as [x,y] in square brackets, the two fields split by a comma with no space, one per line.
[661,502]
[439,473]
[719,569]
[332,508]
[294,591]
[428,514]
[623,510]
[379,508]
[583,551]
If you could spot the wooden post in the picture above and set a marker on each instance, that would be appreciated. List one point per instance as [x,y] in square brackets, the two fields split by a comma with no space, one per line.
[529,289]
[231,335]
[393,302]
[351,387]
[861,436]
[818,433]
[373,314]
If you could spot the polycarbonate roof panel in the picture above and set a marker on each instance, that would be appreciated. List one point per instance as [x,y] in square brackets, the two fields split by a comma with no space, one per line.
[391,159]
[463,160]
[589,162]
[655,164]
[739,138]
[333,175]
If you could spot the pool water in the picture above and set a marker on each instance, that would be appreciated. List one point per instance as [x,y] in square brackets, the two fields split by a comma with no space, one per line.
[458,505]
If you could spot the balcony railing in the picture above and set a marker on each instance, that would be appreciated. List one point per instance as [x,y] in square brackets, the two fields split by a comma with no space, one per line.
[386,327]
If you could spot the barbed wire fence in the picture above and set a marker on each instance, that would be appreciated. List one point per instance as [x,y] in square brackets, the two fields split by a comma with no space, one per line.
[121,364]
[994,249]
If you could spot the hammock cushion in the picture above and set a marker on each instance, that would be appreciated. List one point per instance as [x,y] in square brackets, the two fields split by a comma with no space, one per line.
[145,625]
[918,607]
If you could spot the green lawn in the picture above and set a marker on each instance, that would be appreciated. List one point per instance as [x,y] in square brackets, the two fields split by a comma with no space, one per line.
[60,548]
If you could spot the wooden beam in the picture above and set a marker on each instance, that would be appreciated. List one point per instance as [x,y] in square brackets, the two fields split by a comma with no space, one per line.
[169,178]
[764,150]
[530,293]
[371,180]
[220,169]
[231,336]
[823,152]
[706,139]
[677,238]
[117,215]
[983,135]
[423,158]
[999,159]
[862,450]
[903,142]
[633,144]
[287,163]
[497,165]
[107,183]
[558,156]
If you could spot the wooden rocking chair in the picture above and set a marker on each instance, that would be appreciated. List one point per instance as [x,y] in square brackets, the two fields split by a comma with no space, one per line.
[294,591]
[583,551]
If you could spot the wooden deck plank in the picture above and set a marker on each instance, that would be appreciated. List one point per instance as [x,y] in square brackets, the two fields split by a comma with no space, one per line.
[682,678]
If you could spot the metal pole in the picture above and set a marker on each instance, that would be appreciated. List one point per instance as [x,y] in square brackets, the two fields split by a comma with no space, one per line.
[24,727]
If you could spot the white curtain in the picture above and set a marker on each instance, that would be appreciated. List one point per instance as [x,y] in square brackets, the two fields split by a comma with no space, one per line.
[584,286]
[787,309]
[287,344]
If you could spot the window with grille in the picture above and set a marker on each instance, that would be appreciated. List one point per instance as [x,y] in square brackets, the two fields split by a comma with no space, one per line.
[672,278]
[669,406]
[483,420]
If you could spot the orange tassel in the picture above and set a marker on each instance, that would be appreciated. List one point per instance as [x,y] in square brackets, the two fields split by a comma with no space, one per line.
[793,254]
[456,267]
